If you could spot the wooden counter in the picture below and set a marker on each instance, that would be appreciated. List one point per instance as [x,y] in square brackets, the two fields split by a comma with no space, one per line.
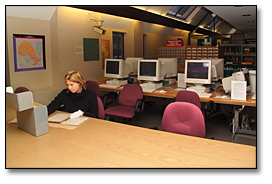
[104,144]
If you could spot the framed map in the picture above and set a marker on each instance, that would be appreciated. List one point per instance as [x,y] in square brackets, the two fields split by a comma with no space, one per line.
[29,52]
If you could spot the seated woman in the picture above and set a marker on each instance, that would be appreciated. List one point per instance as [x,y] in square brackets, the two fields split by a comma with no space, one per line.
[76,98]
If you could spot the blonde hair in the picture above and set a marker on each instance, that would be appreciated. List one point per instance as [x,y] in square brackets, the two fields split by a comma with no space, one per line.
[75,76]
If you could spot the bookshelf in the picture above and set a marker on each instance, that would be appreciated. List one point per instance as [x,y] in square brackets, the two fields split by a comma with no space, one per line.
[244,54]
[238,56]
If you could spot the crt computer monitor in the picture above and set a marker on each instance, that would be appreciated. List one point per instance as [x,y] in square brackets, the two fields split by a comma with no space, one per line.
[198,71]
[242,76]
[217,69]
[133,62]
[237,76]
[149,70]
[169,67]
[116,68]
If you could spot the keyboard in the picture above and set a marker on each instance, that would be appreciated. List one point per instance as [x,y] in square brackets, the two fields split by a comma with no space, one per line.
[204,95]
[148,90]
[109,86]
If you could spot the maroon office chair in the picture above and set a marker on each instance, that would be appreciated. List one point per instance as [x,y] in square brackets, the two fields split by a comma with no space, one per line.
[130,102]
[183,118]
[192,97]
[21,89]
[188,96]
[101,111]
[107,99]
[92,85]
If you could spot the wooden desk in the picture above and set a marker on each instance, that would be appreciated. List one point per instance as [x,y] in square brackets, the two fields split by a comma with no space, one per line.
[104,144]
[171,93]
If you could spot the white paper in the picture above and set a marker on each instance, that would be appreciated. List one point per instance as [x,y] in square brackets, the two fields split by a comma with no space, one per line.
[13,121]
[238,90]
[75,121]
[78,49]
[181,83]
[59,117]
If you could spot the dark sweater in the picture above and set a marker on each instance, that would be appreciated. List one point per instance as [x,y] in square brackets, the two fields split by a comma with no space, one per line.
[85,101]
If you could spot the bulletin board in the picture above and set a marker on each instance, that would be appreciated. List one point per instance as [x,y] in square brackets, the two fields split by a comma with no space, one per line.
[105,47]
[91,49]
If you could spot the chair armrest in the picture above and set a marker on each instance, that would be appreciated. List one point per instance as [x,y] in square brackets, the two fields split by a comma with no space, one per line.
[110,95]
[139,102]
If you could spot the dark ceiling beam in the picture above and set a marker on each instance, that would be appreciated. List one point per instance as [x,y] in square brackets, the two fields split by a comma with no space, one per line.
[141,15]
[137,14]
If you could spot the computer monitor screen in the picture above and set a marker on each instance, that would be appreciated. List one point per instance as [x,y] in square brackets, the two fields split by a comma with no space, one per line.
[149,70]
[112,67]
[116,68]
[198,71]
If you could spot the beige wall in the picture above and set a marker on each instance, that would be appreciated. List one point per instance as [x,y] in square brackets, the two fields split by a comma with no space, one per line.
[31,79]
[138,39]
[65,31]
[73,26]
[154,41]
[157,36]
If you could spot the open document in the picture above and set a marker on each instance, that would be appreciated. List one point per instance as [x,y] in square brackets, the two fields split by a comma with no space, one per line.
[64,119]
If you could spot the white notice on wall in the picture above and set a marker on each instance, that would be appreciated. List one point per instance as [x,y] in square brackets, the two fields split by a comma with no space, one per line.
[238,90]
[181,83]
[78,49]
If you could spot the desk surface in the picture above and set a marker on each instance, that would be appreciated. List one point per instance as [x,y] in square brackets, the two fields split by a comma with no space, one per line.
[171,93]
[104,144]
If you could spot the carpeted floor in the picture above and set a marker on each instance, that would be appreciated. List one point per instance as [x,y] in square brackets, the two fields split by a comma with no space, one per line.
[218,127]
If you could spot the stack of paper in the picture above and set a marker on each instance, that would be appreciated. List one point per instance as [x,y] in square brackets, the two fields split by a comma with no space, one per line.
[76,121]
[58,118]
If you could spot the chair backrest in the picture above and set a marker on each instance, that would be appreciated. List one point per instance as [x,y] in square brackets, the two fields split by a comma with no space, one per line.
[93,85]
[101,112]
[188,96]
[130,94]
[20,89]
[184,118]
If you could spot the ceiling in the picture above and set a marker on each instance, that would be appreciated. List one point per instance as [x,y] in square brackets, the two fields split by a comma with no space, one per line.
[32,12]
[242,18]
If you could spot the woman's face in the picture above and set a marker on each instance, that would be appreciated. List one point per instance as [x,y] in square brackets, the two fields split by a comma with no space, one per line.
[74,87]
